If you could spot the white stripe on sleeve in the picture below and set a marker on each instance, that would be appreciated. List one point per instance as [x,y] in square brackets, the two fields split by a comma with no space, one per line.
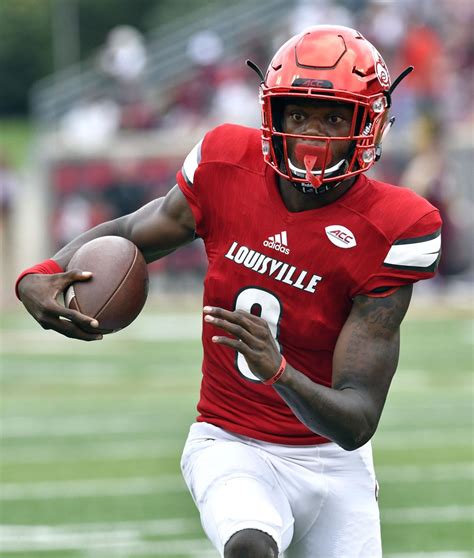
[191,162]
[416,254]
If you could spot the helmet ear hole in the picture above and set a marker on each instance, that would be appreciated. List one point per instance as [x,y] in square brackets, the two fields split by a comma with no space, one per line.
[278,105]
[362,120]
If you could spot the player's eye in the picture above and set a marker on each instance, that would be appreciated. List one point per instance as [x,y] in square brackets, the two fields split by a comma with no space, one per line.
[335,119]
[297,116]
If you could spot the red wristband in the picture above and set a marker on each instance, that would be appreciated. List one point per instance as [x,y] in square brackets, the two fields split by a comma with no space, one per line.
[278,374]
[47,267]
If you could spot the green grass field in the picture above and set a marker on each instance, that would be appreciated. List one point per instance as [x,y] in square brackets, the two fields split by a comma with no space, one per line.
[15,139]
[92,434]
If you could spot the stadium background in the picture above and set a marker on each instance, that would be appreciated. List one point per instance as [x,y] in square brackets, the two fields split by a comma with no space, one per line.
[99,104]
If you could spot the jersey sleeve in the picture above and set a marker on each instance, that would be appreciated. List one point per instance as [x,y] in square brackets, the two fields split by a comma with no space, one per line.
[213,173]
[412,257]
[189,185]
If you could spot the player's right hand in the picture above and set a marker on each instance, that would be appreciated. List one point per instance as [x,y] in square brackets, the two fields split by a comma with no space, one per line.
[40,294]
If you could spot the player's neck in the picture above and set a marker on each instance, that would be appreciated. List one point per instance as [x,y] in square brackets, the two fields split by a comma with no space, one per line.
[295,201]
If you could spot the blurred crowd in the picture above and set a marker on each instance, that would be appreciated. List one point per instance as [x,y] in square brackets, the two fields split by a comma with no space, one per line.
[432,35]
[433,107]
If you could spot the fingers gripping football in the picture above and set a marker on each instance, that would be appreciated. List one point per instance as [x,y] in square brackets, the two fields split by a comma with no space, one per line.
[251,336]
[39,294]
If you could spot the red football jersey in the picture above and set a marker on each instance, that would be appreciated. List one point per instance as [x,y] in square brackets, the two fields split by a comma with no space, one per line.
[299,271]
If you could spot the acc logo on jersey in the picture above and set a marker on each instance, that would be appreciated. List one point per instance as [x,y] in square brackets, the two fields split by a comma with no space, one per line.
[340,236]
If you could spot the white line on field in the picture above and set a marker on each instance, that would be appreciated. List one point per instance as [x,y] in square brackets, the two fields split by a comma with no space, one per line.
[151,549]
[191,548]
[78,426]
[418,439]
[440,514]
[162,447]
[115,543]
[91,488]
[181,526]
[162,327]
[109,538]
[421,438]
[64,453]
[435,472]
[82,425]
[68,541]
[146,527]
[112,538]
[443,554]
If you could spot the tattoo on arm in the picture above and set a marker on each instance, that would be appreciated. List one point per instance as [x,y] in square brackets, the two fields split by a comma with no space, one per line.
[370,341]
[365,359]
[383,316]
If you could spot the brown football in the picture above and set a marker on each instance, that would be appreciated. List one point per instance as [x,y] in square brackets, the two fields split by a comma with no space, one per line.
[118,289]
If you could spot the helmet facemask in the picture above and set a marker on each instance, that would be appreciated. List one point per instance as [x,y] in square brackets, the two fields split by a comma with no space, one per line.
[320,172]
[326,63]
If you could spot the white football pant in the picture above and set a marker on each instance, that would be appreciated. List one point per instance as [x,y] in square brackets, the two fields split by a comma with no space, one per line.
[315,501]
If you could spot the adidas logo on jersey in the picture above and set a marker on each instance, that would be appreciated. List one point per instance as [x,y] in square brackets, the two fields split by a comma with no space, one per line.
[279,242]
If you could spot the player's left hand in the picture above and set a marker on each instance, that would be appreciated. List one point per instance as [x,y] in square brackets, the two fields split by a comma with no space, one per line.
[252,338]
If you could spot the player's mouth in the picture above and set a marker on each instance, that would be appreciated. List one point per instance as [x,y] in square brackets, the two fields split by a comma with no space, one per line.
[311,158]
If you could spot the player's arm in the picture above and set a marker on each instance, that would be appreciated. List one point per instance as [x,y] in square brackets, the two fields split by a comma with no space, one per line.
[365,359]
[157,229]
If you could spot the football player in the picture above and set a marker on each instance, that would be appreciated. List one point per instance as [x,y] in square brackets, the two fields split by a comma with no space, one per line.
[311,266]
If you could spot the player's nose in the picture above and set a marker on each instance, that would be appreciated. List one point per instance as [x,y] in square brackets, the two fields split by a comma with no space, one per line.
[315,127]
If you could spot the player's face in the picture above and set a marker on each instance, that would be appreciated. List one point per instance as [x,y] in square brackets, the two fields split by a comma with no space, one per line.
[318,118]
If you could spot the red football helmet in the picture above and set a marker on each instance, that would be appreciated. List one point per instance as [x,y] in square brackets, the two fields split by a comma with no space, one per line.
[330,63]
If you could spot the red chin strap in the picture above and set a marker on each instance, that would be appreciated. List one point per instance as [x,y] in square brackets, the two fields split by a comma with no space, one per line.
[310,154]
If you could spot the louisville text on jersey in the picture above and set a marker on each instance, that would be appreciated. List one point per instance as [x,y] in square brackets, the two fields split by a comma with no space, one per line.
[276,269]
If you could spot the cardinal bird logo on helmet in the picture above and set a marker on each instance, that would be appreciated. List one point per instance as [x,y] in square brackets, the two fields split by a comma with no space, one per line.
[381,68]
